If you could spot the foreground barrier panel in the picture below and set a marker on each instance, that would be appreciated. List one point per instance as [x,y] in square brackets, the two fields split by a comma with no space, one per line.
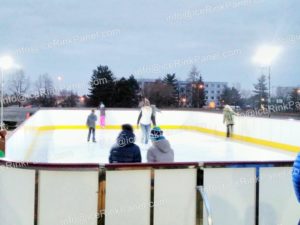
[231,194]
[128,197]
[277,202]
[68,197]
[144,194]
[175,196]
[17,188]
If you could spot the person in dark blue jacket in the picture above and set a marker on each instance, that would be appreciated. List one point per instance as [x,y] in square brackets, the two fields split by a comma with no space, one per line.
[125,151]
[296,178]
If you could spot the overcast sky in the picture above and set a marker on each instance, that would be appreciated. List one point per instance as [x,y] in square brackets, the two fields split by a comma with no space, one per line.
[150,38]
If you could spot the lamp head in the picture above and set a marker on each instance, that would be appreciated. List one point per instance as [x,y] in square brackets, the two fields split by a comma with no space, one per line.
[265,55]
[6,62]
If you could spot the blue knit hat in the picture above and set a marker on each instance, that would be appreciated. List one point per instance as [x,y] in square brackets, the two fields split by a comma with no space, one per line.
[156,134]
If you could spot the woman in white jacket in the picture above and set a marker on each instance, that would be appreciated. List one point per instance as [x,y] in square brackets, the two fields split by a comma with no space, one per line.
[145,119]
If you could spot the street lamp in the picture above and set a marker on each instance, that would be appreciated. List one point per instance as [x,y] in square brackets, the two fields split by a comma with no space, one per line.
[183,100]
[6,62]
[265,56]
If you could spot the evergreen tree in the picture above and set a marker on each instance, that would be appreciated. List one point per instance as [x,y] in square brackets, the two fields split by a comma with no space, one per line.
[101,87]
[231,96]
[170,80]
[135,88]
[295,100]
[201,93]
[125,93]
[261,92]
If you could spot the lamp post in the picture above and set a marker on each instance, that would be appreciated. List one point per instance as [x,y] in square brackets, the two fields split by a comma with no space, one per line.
[6,63]
[264,56]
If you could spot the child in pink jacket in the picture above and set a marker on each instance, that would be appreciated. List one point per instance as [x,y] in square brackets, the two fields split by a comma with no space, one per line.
[102,115]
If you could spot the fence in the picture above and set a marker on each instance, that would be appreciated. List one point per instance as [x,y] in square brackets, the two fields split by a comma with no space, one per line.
[146,194]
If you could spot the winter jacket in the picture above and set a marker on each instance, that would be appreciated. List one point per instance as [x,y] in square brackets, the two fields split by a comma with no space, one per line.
[160,151]
[125,151]
[296,177]
[154,110]
[228,116]
[146,116]
[91,121]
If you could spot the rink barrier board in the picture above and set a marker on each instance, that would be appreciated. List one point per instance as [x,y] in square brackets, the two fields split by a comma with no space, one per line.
[256,141]
[233,205]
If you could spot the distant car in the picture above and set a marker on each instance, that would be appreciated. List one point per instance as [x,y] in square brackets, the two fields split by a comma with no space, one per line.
[235,107]
[246,107]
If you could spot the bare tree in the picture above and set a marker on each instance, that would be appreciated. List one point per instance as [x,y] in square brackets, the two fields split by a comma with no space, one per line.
[45,92]
[18,85]
[67,98]
[194,74]
[159,93]
[196,88]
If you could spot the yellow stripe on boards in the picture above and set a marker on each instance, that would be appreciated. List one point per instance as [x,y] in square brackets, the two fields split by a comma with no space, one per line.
[257,141]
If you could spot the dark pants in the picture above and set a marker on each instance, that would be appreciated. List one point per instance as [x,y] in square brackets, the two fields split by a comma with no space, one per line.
[229,130]
[91,132]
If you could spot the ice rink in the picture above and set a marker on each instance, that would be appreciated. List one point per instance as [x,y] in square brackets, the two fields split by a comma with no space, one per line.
[69,146]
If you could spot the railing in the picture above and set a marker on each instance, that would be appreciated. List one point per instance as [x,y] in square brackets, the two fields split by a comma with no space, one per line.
[147,194]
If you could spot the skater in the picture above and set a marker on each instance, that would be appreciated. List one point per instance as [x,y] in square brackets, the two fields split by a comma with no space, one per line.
[102,115]
[145,118]
[91,124]
[228,120]
[160,151]
[125,150]
[3,134]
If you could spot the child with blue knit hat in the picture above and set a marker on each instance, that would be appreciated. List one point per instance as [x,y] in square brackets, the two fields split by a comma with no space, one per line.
[160,151]
[156,134]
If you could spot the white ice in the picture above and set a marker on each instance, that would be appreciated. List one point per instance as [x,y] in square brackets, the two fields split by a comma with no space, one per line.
[71,146]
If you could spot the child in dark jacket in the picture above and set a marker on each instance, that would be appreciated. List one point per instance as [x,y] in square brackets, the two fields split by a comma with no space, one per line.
[91,124]
[125,151]
[296,178]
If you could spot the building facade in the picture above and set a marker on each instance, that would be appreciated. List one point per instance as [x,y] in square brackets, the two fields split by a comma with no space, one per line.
[213,91]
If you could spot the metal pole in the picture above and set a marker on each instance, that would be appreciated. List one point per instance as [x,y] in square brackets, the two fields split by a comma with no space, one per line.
[206,204]
[2,85]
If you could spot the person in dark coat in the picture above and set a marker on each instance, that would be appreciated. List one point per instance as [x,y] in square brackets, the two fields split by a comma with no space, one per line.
[125,151]
[296,178]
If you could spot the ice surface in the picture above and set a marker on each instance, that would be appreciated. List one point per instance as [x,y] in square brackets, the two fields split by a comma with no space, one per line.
[71,146]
